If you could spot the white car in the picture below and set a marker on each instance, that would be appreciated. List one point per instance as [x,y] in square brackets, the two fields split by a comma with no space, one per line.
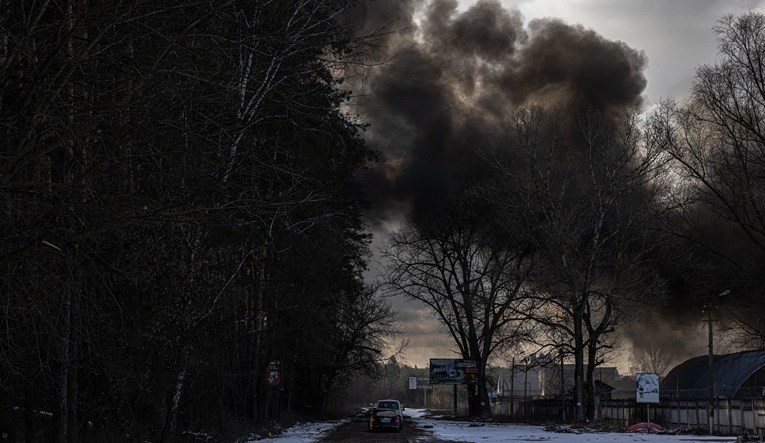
[387,414]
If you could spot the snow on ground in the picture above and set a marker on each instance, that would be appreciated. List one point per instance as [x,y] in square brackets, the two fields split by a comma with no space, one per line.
[503,432]
[307,432]
[495,433]
[415,413]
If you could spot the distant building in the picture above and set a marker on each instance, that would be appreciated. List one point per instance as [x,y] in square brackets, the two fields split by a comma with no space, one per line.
[545,382]
[522,382]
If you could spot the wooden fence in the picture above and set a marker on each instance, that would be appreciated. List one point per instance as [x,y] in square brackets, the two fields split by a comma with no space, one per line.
[731,416]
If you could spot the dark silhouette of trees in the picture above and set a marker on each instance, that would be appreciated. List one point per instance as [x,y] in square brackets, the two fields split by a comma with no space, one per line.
[471,273]
[586,186]
[716,143]
[179,210]
[553,246]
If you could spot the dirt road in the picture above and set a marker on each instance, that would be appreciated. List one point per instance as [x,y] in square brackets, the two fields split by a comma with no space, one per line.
[356,432]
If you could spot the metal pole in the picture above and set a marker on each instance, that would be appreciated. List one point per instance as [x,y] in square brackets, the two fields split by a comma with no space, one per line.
[525,387]
[562,386]
[512,387]
[455,400]
[711,406]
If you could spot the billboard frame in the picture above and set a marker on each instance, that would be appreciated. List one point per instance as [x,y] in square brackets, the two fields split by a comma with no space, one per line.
[647,387]
[453,371]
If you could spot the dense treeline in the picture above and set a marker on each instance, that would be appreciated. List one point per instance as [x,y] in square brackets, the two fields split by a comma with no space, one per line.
[179,209]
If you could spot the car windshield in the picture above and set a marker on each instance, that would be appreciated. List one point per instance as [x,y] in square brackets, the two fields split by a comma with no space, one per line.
[387,405]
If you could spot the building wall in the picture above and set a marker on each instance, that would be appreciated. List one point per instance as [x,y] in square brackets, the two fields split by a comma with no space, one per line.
[526,382]
[545,382]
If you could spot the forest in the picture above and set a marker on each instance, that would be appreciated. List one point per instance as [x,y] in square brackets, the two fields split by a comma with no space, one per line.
[179,211]
[188,191]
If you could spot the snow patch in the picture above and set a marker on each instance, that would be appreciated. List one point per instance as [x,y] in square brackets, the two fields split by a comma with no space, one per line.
[503,432]
[306,432]
[415,413]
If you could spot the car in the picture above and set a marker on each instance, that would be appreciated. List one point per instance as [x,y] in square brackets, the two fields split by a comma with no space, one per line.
[391,404]
[387,414]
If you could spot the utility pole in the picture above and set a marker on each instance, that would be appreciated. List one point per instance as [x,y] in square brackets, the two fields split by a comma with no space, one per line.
[512,388]
[562,386]
[525,387]
[711,401]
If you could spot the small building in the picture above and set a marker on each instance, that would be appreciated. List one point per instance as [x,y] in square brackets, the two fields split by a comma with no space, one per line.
[624,386]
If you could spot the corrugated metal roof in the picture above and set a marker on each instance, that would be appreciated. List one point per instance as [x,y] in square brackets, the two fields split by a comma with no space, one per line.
[690,379]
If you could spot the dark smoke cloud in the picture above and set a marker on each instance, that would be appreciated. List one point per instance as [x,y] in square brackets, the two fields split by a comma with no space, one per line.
[486,31]
[571,63]
[385,20]
[451,78]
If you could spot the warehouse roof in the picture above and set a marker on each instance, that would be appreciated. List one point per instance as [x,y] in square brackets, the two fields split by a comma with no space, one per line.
[733,373]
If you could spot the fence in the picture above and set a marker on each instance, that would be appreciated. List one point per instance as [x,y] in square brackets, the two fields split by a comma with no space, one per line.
[535,410]
[731,416]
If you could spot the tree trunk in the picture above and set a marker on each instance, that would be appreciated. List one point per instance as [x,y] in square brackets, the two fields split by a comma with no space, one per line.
[62,377]
[61,408]
[171,418]
[579,368]
[478,398]
[72,394]
[591,389]
[73,383]
[482,396]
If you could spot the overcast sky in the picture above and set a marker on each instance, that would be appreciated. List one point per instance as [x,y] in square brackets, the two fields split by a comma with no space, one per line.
[674,35]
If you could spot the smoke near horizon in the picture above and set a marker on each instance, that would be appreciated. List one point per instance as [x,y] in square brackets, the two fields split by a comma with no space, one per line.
[450,79]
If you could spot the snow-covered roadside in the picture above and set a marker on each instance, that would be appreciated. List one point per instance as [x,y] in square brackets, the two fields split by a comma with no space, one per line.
[493,433]
[503,432]
[305,432]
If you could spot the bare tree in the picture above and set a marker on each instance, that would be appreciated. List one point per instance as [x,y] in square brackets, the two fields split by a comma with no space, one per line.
[472,276]
[717,145]
[652,357]
[588,185]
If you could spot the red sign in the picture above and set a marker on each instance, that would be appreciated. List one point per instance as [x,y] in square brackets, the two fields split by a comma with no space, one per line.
[471,372]
[273,374]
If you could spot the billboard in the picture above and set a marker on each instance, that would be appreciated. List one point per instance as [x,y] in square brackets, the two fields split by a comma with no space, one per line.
[453,371]
[647,387]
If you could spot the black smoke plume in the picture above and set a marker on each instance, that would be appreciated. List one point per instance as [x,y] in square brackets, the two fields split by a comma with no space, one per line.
[449,79]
